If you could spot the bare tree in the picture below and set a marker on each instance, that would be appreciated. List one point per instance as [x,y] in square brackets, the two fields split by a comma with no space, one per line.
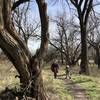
[10,42]
[27,28]
[83,8]
[52,54]
[67,42]
[94,35]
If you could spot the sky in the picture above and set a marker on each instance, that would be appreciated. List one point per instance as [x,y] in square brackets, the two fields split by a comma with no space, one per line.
[52,10]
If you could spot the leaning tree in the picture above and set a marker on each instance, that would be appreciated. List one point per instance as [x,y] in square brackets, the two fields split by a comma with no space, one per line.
[28,66]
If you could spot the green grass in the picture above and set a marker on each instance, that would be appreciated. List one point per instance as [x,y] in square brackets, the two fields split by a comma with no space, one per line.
[56,88]
[90,83]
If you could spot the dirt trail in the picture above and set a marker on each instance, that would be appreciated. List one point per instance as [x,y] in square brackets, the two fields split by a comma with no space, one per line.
[77,92]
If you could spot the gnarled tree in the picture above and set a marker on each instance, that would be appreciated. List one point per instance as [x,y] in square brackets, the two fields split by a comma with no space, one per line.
[28,66]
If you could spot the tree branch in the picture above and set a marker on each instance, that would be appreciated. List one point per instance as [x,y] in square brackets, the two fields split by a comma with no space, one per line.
[42,6]
[17,3]
[80,3]
[87,12]
[85,7]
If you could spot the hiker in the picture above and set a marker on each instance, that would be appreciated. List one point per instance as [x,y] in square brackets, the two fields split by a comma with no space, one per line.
[67,71]
[54,69]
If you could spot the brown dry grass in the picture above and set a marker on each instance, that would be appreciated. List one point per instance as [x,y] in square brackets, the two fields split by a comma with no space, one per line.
[7,75]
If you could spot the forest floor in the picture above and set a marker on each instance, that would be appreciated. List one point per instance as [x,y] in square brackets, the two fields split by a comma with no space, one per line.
[80,87]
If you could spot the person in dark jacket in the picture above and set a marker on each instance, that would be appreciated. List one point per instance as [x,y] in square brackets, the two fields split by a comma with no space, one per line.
[54,69]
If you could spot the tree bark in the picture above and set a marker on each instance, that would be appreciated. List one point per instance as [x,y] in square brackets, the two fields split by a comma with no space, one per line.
[40,93]
[28,67]
[83,9]
[98,57]
[11,43]
[84,57]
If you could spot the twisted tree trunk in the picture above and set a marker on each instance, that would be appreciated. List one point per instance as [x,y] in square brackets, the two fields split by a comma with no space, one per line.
[28,67]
